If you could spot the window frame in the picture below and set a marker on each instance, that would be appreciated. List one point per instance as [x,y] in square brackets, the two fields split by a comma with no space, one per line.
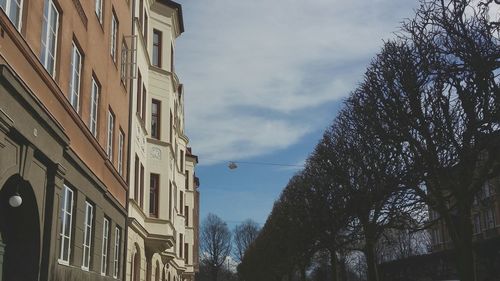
[88,235]
[105,246]
[8,11]
[66,213]
[139,94]
[98,10]
[154,189]
[157,46]
[489,218]
[49,8]
[76,74]
[156,117]
[116,254]
[121,150]
[95,94]
[114,35]
[110,134]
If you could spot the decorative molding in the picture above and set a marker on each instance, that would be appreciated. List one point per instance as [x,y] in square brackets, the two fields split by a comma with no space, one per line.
[156,153]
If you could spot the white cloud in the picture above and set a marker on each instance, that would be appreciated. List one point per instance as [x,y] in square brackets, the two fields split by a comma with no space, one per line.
[255,71]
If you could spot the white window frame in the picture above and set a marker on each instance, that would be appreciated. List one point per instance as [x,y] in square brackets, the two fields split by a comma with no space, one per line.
[476,224]
[87,238]
[74,83]
[66,218]
[123,65]
[98,10]
[114,31]
[121,142]
[105,246]
[7,9]
[116,257]
[111,135]
[51,32]
[94,106]
[489,218]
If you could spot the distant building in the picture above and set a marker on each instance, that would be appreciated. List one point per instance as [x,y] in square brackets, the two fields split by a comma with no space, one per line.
[484,217]
[162,235]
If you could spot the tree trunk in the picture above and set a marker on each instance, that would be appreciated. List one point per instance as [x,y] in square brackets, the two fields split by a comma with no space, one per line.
[371,261]
[460,229]
[303,273]
[333,264]
[215,272]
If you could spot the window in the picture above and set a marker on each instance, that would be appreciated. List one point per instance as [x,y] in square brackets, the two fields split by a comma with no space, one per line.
[154,188]
[145,27]
[136,179]
[171,127]
[105,246]
[477,224]
[181,167]
[121,143]
[155,118]
[74,83]
[94,106]
[187,180]
[172,58]
[13,10]
[489,218]
[87,240]
[49,36]
[487,190]
[156,48]
[116,258]
[139,94]
[66,225]
[141,9]
[143,108]
[114,32]
[181,244]
[98,10]
[186,255]
[141,184]
[111,134]
[181,202]
[186,214]
[157,271]
[170,200]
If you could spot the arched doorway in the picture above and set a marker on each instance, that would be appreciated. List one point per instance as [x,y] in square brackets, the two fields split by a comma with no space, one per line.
[20,232]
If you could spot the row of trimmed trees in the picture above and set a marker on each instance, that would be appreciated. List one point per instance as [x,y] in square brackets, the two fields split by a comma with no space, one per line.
[421,129]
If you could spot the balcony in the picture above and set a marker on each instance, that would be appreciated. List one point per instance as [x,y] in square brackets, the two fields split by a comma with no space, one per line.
[158,234]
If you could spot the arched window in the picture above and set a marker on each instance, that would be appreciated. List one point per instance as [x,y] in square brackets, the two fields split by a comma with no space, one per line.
[136,265]
[158,272]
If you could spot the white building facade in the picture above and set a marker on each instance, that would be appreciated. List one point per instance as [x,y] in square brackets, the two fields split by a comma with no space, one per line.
[162,237]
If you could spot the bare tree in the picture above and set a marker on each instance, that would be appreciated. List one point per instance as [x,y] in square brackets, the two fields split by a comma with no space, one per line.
[244,234]
[434,94]
[215,243]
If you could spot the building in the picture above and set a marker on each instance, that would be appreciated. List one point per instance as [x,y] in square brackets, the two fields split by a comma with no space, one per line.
[90,106]
[64,133]
[484,218]
[162,233]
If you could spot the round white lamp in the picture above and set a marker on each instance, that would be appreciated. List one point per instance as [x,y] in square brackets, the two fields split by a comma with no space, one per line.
[15,200]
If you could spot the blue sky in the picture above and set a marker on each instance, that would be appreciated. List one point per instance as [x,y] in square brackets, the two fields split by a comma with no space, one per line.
[263,79]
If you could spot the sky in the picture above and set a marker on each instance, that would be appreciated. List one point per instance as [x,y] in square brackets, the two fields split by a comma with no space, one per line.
[262,81]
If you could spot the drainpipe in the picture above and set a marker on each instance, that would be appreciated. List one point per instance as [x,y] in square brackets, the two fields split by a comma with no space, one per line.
[129,146]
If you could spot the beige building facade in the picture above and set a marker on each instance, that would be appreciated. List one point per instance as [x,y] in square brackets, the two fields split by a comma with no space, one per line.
[162,234]
[64,134]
